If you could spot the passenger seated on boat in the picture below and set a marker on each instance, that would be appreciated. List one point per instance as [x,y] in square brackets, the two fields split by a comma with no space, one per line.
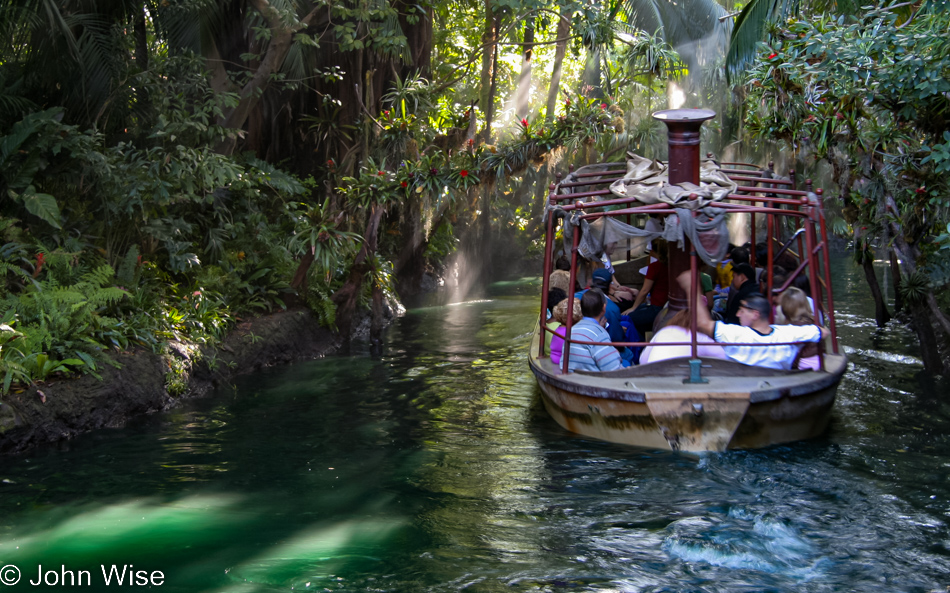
[656,286]
[601,281]
[798,311]
[677,330]
[754,328]
[555,296]
[743,284]
[560,320]
[802,283]
[588,357]
[737,255]
[778,280]
[621,295]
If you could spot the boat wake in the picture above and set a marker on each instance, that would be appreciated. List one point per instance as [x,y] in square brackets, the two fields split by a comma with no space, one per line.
[744,541]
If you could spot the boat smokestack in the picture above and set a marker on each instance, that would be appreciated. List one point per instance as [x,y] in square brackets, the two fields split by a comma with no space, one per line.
[683,129]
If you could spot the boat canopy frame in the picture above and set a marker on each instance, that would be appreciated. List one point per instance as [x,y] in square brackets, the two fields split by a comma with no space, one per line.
[763,194]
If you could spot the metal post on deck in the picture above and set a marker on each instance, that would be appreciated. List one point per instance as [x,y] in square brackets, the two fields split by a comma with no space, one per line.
[825,258]
[546,272]
[812,274]
[695,363]
[566,348]
[770,233]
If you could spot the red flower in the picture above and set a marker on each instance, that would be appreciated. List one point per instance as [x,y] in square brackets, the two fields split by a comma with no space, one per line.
[196,293]
[381,173]
[471,142]
[404,184]
[138,261]
[921,190]
[603,106]
[40,258]
[568,102]
[772,55]
[524,122]
[463,173]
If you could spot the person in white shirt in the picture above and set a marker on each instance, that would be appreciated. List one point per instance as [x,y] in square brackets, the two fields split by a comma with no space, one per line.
[770,349]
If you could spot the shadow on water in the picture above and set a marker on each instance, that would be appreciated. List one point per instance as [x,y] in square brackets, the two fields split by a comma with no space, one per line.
[434,468]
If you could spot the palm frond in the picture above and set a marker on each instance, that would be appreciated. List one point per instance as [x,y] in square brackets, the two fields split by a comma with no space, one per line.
[748,32]
[692,27]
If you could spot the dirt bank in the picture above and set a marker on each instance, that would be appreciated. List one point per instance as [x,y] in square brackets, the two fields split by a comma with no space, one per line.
[148,382]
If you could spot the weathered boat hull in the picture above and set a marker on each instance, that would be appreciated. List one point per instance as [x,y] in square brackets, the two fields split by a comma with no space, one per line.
[740,407]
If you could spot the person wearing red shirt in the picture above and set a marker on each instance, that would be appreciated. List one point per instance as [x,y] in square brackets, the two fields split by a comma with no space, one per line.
[657,285]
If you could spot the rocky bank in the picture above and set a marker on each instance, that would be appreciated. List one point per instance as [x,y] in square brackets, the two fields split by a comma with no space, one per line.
[146,382]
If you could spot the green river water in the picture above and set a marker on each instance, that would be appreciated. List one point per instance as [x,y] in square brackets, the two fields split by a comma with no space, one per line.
[435,468]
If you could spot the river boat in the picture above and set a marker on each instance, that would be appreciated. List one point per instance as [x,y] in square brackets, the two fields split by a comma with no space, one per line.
[689,404]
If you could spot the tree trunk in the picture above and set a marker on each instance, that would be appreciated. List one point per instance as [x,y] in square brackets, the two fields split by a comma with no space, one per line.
[484,244]
[410,264]
[592,74]
[486,97]
[345,298]
[141,39]
[376,322]
[523,94]
[881,315]
[560,50]
[278,47]
[896,281]
[920,317]
[299,282]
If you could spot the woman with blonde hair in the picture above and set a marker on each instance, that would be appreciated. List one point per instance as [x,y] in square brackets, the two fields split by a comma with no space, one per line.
[560,317]
[798,311]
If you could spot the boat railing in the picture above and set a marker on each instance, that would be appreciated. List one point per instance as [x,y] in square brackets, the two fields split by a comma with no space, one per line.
[803,207]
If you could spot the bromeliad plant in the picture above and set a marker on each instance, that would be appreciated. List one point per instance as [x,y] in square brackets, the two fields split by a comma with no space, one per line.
[872,98]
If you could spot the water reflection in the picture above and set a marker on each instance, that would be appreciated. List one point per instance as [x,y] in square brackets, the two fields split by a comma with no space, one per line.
[434,468]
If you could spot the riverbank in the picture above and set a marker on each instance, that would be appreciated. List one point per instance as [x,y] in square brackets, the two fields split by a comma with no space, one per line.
[146,382]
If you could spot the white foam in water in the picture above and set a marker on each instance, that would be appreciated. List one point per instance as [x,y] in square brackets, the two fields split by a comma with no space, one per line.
[886,356]
[767,545]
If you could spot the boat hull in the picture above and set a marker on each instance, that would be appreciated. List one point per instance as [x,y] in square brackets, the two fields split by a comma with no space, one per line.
[650,406]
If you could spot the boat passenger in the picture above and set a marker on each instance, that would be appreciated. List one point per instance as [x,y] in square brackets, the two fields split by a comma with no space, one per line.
[778,318]
[743,285]
[560,319]
[621,295]
[737,255]
[754,328]
[798,311]
[677,330]
[801,282]
[656,286]
[588,357]
[555,296]
[601,281]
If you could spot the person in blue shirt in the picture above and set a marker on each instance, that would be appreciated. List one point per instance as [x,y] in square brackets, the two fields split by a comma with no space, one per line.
[601,281]
[589,357]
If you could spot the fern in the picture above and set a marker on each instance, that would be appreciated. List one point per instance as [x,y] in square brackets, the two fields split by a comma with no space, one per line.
[127,274]
[318,300]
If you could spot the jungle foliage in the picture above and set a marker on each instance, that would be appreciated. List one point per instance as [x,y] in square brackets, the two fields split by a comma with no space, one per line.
[170,167]
[870,96]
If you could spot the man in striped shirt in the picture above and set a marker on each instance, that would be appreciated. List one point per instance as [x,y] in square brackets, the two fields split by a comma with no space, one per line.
[588,357]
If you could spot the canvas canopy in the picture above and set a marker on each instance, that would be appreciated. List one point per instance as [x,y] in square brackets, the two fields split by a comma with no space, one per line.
[647,181]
